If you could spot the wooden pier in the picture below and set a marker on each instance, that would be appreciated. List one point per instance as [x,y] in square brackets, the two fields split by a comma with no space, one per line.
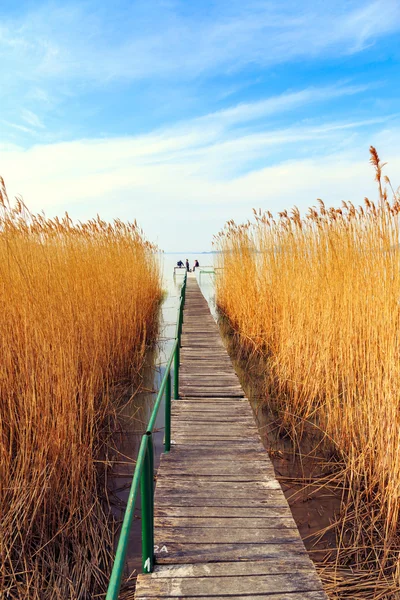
[223,528]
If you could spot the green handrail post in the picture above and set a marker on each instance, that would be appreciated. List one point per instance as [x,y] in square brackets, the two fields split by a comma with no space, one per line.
[176,372]
[178,334]
[144,470]
[167,436]
[120,555]
[147,496]
[150,450]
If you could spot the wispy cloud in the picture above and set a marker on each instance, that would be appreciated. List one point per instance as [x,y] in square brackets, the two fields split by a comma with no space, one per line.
[18,127]
[54,54]
[168,178]
[32,119]
[288,101]
[161,39]
[182,74]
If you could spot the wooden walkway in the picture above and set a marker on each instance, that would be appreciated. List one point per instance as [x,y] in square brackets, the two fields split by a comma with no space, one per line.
[223,528]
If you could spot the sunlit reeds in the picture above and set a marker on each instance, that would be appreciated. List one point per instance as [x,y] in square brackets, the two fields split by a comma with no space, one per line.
[78,305]
[319,298]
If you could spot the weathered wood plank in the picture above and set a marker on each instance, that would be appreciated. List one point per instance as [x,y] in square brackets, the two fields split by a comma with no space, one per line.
[218,489]
[274,498]
[216,428]
[200,392]
[184,417]
[212,512]
[217,474]
[220,444]
[227,523]
[275,596]
[196,454]
[202,553]
[222,535]
[269,566]
[215,401]
[189,587]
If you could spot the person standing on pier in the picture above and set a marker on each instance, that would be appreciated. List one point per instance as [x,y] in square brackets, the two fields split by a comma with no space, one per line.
[187,265]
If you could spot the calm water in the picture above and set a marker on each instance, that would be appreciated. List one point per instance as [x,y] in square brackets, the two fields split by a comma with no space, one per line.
[138,406]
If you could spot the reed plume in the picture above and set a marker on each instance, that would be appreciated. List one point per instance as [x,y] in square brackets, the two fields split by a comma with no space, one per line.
[318,297]
[79,305]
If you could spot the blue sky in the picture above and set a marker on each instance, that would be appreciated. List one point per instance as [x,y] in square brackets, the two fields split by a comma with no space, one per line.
[187,114]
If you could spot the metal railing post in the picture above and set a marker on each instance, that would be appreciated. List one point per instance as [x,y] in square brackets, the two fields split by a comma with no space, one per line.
[178,337]
[144,470]
[120,555]
[167,436]
[176,372]
[147,498]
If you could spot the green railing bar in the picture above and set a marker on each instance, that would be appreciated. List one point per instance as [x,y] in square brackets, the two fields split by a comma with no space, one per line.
[152,422]
[167,432]
[176,373]
[144,470]
[120,555]
[147,492]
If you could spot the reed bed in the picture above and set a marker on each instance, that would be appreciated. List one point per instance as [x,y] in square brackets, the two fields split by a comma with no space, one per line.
[318,298]
[79,305]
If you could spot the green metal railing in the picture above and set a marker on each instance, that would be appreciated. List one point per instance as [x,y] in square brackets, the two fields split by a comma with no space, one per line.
[144,470]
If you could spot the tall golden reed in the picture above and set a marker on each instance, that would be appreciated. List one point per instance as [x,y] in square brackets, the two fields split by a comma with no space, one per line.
[78,305]
[319,298]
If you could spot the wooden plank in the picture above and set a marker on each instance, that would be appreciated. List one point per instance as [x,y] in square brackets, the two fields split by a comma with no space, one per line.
[214,416]
[199,466]
[223,477]
[249,523]
[217,428]
[212,512]
[222,469]
[219,444]
[200,392]
[218,489]
[221,535]
[200,418]
[189,587]
[275,596]
[202,553]
[225,381]
[274,498]
[277,565]
[215,401]
[196,454]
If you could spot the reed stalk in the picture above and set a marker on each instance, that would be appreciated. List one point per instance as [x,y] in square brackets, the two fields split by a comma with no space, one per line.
[79,305]
[318,298]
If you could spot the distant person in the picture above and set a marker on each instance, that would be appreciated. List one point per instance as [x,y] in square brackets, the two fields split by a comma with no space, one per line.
[196,264]
[180,264]
[187,266]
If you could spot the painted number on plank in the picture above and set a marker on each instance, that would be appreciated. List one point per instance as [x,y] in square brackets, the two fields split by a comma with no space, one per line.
[161,549]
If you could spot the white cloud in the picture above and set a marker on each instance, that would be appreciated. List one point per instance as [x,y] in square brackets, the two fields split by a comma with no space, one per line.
[183,184]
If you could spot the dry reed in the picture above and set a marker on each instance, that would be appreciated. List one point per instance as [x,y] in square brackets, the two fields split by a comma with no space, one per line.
[79,305]
[319,298]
